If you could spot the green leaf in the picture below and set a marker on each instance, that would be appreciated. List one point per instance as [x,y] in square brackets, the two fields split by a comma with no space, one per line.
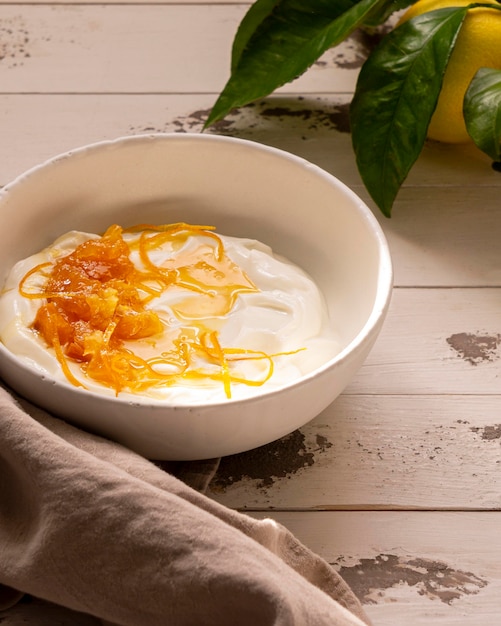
[482,111]
[396,94]
[258,12]
[382,14]
[280,40]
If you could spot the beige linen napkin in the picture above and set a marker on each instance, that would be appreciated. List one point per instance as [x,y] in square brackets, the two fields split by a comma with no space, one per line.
[89,525]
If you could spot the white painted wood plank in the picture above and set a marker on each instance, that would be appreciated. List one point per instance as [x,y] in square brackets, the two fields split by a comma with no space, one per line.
[314,128]
[138,48]
[370,452]
[439,235]
[445,236]
[35,127]
[436,341]
[419,426]
[411,569]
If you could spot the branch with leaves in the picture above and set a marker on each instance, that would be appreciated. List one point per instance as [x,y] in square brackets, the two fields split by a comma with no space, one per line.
[278,40]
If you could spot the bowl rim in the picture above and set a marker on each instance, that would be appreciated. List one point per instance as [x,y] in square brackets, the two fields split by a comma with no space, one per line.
[384,276]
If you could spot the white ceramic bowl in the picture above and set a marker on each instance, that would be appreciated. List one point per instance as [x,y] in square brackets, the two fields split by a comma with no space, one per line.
[245,189]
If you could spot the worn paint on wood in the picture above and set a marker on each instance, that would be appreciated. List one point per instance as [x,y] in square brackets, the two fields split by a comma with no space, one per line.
[419,427]
[295,113]
[444,346]
[475,348]
[92,48]
[279,459]
[375,452]
[436,580]
[410,568]
[15,42]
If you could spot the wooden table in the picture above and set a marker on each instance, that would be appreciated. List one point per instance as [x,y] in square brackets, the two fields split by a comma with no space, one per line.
[398,483]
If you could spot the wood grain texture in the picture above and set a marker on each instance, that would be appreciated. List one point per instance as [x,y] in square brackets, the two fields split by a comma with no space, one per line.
[440,235]
[134,48]
[314,127]
[376,452]
[397,483]
[442,341]
[407,568]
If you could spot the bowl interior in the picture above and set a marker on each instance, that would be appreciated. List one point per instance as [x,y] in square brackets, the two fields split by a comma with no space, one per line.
[242,188]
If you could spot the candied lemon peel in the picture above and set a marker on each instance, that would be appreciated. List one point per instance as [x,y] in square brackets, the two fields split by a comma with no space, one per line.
[96,308]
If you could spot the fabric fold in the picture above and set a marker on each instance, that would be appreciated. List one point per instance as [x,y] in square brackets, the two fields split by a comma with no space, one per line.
[89,525]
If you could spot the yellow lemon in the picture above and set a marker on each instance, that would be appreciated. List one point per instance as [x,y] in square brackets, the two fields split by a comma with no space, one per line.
[477,45]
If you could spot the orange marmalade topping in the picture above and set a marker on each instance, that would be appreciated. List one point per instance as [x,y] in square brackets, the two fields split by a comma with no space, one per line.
[95,309]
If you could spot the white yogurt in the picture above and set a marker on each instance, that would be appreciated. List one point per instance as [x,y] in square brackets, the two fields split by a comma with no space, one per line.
[286,314]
